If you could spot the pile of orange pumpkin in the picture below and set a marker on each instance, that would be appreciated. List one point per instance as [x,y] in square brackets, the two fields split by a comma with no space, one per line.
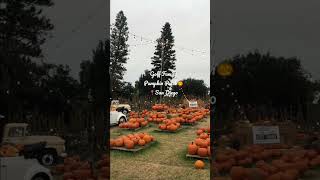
[133,114]
[160,107]
[201,146]
[134,123]
[131,140]
[10,150]
[189,115]
[169,125]
[75,169]
[103,168]
[203,130]
[284,164]
[157,117]
[144,113]
[172,110]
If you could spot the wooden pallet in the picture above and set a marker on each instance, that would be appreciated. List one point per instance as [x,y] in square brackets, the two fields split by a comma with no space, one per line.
[137,129]
[196,156]
[166,131]
[188,124]
[136,149]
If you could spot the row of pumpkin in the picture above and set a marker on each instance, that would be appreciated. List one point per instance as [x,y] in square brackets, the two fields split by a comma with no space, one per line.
[138,120]
[130,141]
[75,169]
[287,164]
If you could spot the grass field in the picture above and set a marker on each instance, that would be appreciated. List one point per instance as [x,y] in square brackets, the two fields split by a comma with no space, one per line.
[165,160]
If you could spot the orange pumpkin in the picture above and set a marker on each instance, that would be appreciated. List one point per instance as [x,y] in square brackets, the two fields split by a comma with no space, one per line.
[203,152]
[147,138]
[192,149]
[129,144]
[141,142]
[199,131]
[198,141]
[199,164]
[141,135]
[204,136]
[112,142]
[162,126]
[119,142]
[135,140]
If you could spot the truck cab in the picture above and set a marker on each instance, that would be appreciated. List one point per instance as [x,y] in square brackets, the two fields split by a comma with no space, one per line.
[19,168]
[124,108]
[19,133]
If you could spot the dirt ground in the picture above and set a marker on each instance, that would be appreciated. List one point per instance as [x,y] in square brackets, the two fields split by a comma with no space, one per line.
[165,160]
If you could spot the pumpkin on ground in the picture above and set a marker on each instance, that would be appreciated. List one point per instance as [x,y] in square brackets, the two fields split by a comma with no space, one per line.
[199,164]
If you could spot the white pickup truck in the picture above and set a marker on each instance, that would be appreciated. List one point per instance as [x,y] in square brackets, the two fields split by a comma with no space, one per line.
[18,133]
[117,118]
[124,108]
[20,168]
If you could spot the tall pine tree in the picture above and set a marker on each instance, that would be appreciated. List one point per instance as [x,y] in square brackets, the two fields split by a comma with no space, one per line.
[164,55]
[118,52]
[23,29]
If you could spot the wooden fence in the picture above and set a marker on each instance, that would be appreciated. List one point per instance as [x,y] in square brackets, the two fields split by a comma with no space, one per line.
[73,122]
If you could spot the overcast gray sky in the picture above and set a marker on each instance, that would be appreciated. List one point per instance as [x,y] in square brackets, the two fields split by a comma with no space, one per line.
[190,23]
[285,28]
[79,25]
[288,28]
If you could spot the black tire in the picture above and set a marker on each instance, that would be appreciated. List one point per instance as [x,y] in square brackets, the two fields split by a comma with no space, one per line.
[125,111]
[48,157]
[41,176]
[122,119]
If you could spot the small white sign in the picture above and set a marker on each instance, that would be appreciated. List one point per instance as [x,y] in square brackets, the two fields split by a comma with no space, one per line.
[193,104]
[266,134]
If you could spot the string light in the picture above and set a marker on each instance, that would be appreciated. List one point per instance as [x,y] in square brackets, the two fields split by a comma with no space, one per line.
[183,49]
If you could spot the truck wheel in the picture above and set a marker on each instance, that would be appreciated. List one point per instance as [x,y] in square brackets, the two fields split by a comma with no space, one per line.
[125,112]
[48,158]
[41,176]
[122,120]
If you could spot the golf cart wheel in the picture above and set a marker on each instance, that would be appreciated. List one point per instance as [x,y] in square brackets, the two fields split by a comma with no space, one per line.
[122,120]
[48,158]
